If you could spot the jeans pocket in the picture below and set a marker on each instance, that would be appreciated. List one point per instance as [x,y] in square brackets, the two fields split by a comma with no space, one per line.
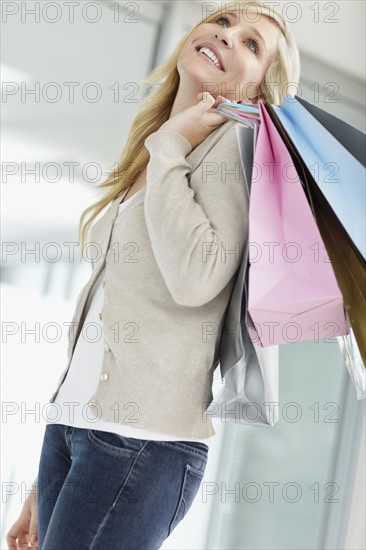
[192,479]
[116,444]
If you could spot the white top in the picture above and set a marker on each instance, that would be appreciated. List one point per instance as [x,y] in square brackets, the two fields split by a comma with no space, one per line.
[71,405]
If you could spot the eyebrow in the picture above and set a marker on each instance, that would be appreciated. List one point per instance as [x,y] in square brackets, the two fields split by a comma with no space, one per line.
[252,29]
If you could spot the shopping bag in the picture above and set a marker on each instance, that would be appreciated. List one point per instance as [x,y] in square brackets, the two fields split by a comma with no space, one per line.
[250,373]
[348,265]
[352,139]
[244,113]
[352,358]
[293,292]
[339,175]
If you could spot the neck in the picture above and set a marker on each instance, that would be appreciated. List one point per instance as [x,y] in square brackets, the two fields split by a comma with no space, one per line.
[186,97]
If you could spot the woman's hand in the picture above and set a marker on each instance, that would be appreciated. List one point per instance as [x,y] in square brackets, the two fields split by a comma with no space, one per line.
[21,531]
[197,122]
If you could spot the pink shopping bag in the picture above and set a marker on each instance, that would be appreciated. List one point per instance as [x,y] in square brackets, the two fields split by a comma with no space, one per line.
[293,292]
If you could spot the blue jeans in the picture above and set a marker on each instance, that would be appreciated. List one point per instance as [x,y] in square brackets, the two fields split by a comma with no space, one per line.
[101,491]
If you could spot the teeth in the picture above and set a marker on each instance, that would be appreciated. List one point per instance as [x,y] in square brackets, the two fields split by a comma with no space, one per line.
[211,55]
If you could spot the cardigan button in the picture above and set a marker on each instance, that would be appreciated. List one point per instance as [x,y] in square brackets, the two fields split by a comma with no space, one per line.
[104,377]
[106,347]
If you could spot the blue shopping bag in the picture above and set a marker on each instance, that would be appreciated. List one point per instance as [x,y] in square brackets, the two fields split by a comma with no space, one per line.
[352,139]
[338,174]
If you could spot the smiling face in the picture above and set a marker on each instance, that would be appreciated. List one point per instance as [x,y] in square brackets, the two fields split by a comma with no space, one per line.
[239,52]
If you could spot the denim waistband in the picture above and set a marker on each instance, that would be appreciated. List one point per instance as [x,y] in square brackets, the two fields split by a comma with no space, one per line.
[196,448]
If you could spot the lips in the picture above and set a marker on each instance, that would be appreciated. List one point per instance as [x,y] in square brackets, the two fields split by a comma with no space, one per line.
[214,50]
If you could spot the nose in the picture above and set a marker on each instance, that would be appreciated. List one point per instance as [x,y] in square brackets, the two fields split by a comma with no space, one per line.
[225,36]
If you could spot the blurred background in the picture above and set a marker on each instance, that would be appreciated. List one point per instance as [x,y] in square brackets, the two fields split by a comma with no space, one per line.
[70,89]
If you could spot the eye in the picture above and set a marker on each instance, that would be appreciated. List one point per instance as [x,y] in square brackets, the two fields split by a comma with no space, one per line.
[253,41]
[223,18]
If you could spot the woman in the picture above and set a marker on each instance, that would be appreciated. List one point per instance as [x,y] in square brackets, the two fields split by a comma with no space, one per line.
[178,211]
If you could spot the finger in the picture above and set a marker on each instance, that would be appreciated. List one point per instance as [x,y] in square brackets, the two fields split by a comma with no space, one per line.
[206,102]
[221,99]
[11,542]
[22,541]
[33,531]
[203,95]
[12,536]
[206,97]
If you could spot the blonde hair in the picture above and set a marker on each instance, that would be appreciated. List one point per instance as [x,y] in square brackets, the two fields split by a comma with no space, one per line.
[283,72]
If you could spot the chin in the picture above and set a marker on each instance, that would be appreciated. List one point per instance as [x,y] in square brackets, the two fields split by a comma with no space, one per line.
[198,76]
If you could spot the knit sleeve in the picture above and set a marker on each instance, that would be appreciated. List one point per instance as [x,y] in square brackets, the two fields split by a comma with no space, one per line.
[197,237]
